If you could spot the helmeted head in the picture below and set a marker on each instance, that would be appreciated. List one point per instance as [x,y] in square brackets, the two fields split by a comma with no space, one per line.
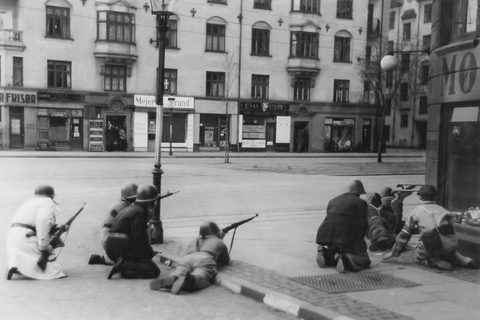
[374,199]
[129,191]
[427,192]
[45,190]
[209,228]
[385,192]
[356,187]
[147,193]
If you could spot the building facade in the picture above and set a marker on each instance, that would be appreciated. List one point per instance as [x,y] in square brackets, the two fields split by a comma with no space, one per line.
[453,138]
[250,75]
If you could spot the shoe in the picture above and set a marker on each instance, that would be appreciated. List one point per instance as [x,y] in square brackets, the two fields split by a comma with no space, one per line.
[382,244]
[116,267]
[166,283]
[320,259]
[10,273]
[474,264]
[96,259]
[444,265]
[340,264]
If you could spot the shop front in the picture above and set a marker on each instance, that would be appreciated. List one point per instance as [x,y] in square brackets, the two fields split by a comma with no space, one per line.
[177,125]
[339,135]
[264,127]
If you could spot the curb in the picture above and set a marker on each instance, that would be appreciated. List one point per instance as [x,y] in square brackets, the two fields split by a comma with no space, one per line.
[278,301]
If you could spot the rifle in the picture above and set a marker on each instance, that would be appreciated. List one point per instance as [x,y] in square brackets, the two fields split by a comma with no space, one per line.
[234,226]
[56,241]
[168,194]
[407,188]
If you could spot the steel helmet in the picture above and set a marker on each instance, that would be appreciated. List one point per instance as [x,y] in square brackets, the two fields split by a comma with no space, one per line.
[147,193]
[385,192]
[44,190]
[129,190]
[355,186]
[209,228]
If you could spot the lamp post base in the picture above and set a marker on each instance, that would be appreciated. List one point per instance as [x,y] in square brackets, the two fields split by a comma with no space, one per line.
[155,224]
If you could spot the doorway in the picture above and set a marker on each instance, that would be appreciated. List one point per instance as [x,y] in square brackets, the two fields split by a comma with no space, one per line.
[300,136]
[17,131]
[116,133]
[270,136]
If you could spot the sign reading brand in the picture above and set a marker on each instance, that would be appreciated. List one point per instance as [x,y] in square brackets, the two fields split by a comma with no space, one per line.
[18,98]
[168,102]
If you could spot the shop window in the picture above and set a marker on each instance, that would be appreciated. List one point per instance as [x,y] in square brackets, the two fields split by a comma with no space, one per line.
[260,42]
[391,21]
[58,22]
[171,81]
[303,44]
[17,71]
[344,9]
[59,129]
[215,84]
[464,17]
[262,4]
[260,86]
[301,89]
[116,26]
[215,37]
[59,74]
[311,6]
[341,90]
[404,91]
[422,105]
[115,78]
[342,49]
[427,15]
[406,31]
[404,121]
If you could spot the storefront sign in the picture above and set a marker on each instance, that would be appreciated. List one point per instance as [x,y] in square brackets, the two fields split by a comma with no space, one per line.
[15,98]
[253,144]
[178,103]
[55,96]
[263,109]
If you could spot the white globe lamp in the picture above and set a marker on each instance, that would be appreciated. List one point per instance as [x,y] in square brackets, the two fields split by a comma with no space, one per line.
[389,63]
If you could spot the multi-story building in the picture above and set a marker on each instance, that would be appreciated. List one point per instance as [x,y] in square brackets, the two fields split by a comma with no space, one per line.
[409,29]
[275,75]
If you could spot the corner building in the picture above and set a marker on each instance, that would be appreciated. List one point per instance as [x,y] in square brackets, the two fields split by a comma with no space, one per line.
[250,75]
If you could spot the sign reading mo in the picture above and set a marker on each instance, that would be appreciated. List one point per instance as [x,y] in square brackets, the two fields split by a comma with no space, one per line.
[457,78]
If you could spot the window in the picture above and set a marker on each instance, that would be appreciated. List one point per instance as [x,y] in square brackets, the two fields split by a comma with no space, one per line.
[405,61]
[341,90]
[115,78]
[404,91]
[260,86]
[116,26]
[426,43]
[262,4]
[391,22]
[344,9]
[366,91]
[170,76]
[215,84]
[312,6]
[422,105]
[17,72]
[388,107]
[390,46]
[404,121]
[260,42]
[58,22]
[342,49]
[389,79]
[304,44]
[301,89]
[172,34]
[215,37]
[59,74]
[217,1]
[406,31]
[427,16]
[424,74]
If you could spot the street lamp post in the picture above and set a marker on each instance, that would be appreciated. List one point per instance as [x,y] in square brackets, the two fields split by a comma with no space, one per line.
[171,100]
[159,9]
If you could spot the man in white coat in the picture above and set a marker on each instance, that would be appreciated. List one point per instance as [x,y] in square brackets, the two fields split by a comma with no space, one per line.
[29,237]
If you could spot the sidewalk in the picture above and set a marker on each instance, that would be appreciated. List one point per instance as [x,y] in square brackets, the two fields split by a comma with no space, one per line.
[397,290]
[391,153]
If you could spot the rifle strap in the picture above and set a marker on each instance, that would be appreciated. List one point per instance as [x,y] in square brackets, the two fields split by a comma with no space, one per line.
[231,242]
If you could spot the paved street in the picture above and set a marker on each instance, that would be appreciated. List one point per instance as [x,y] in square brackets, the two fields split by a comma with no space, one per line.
[290,195]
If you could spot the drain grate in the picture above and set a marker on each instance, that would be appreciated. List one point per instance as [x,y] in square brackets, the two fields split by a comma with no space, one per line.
[362,281]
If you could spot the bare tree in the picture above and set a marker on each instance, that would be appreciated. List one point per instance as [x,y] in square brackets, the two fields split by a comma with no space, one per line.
[231,77]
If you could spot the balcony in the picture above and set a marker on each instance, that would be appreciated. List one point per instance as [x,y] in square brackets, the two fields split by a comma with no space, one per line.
[119,52]
[11,40]
[303,66]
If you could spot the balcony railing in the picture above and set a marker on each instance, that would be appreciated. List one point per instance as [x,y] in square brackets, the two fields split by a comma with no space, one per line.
[11,39]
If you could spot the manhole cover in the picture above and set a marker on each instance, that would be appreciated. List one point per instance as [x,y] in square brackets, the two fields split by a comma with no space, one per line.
[362,281]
